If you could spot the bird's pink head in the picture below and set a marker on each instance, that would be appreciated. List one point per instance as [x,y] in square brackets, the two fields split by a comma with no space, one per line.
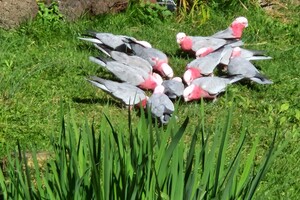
[236,52]
[184,41]
[151,82]
[238,26]
[190,75]
[203,52]
[193,92]
[164,69]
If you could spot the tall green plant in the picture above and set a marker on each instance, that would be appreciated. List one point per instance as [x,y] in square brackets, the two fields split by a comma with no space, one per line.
[196,11]
[145,162]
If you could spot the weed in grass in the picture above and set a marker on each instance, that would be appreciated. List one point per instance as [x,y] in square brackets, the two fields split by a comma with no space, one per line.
[196,11]
[149,13]
[49,14]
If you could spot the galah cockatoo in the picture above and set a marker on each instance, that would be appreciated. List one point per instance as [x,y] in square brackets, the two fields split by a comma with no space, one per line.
[207,87]
[109,41]
[243,67]
[173,87]
[203,66]
[157,58]
[160,105]
[197,44]
[234,31]
[130,74]
[129,94]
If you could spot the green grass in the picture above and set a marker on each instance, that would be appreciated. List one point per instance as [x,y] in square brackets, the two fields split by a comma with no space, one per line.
[44,64]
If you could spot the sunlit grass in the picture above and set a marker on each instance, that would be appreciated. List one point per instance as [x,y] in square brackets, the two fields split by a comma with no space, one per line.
[42,65]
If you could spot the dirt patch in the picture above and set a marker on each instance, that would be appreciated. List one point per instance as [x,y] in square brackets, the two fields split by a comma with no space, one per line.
[14,12]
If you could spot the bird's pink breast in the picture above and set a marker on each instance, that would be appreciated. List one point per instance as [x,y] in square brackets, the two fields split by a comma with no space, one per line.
[237,29]
[148,84]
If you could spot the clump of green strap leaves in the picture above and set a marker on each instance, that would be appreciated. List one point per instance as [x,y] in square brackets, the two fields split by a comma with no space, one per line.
[149,162]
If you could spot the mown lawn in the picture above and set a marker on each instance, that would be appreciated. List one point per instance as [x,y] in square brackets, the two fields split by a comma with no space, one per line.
[44,65]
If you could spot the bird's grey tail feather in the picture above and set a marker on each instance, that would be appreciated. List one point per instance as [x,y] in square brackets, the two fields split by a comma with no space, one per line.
[96,81]
[98,60]
[260,58]
[104,49]
[93,40]
[259,78]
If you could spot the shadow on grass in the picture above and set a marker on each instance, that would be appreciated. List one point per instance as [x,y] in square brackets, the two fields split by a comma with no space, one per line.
[184,55]
[102,101]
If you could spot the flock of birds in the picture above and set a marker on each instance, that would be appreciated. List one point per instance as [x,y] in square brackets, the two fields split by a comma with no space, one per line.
[139,67]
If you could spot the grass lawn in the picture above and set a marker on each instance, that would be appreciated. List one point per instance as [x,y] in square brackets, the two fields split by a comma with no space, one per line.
[43,65]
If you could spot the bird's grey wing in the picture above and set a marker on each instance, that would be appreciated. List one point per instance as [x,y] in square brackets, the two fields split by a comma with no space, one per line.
[214,43]
[227,51]
[241,66]
[206,64]
[110,40]
[224,34]
[125,72]
[140,63]
[213,85]
[126,92]
[160,104]
[131,60]
[173,88]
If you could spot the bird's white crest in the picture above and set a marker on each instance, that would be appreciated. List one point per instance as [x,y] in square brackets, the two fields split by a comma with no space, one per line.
[180,36]
[177,79]
[242,20]
[187,76]
[159,89]
[157,78]
[187,91]
[168,71]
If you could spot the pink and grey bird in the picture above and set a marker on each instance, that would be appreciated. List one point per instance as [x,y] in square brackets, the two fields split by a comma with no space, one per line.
[197,44]
[243,67]
[203,66]
[129,94]
[207,87]
[160,105]
[234,31]
[157,58]
[129,73]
